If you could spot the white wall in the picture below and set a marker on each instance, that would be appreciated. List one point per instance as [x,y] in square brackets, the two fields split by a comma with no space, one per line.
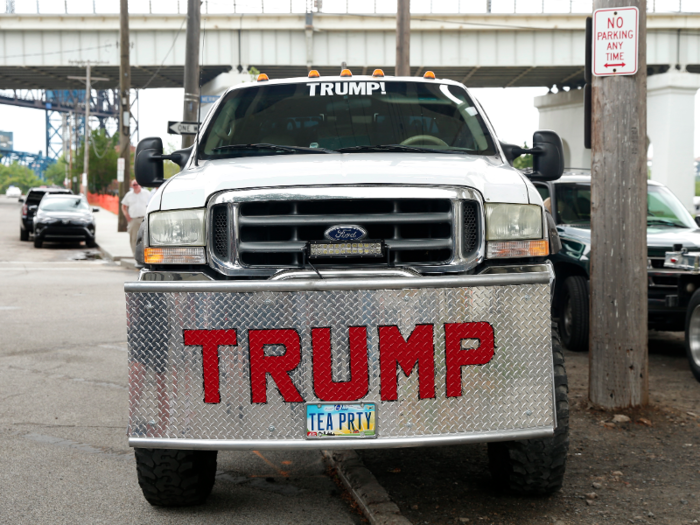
[563,113]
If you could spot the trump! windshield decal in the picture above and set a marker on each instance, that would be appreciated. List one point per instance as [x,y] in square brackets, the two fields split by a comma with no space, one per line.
[346,88]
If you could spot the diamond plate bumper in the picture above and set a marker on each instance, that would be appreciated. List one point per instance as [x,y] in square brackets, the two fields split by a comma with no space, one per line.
[232,364]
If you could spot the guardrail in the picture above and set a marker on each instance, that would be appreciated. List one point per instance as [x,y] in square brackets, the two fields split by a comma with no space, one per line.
[158,7]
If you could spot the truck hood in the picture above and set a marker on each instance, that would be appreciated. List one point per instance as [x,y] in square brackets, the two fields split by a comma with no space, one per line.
[193,187]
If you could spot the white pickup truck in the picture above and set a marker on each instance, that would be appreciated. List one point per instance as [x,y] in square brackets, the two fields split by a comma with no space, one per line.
[345,262]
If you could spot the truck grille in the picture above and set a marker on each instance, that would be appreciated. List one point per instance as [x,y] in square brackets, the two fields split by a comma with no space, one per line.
[274,233]
[470,228]
[220,235]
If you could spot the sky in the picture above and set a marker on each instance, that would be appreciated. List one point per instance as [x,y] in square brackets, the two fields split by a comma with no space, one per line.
[511,111]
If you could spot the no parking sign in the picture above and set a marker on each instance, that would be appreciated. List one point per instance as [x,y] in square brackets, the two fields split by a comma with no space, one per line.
[615,41]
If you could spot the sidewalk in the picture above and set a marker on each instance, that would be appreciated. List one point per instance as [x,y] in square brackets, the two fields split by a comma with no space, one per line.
[114,245]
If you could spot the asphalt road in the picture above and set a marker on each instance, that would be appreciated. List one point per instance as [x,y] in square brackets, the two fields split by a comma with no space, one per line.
[63,408]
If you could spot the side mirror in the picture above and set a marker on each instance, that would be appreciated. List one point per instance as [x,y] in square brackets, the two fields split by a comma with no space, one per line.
[181,156]
[95,210]
[20,199]
[547,155]
[148,165]
[697,220]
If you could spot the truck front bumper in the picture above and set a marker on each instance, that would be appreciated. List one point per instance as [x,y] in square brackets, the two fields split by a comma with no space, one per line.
[233,364]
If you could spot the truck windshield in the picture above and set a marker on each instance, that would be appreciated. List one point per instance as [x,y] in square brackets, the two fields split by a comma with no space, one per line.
[355,114]
[663,208]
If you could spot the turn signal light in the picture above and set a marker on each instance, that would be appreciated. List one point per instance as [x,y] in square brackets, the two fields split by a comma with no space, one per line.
[174,256]
[429,74]
[314,74]
[511,249]
[345,73]
[263,77]
[378,73]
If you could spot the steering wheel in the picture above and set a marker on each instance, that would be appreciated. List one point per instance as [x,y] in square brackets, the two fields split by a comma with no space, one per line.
[422,139]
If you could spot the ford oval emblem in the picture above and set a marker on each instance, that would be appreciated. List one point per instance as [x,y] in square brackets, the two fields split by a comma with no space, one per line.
[349,232]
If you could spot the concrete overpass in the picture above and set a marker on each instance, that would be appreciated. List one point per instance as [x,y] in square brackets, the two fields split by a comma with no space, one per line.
[481,50]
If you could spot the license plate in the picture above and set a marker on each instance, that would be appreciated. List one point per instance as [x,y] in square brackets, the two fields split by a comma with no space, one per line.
[349,420]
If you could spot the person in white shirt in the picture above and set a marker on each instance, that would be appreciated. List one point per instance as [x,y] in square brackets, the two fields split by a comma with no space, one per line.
[134,205]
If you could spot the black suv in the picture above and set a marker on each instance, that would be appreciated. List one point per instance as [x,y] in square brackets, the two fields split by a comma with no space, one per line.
[31,203]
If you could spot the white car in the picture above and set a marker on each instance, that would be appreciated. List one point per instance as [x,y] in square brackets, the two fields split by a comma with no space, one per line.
[345,262]
[13,192]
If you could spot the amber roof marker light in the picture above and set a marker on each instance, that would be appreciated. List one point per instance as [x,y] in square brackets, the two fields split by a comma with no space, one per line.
[314,74]
[346,73]
[262,77]
[430,75]
[378,73]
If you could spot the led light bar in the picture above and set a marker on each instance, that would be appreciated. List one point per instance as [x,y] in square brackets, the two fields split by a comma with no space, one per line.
[174,256]
[345,249]
[512,249]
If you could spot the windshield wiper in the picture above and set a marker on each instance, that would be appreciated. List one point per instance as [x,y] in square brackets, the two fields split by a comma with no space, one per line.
[275,147]
[396,148]
[664,222]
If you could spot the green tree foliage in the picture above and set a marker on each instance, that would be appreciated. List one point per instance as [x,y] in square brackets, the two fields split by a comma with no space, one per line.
[17,175]
[103,160]
[56,173]
[523,161]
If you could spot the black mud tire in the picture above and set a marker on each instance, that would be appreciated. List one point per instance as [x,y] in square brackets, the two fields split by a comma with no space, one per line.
[38,242]
[23,234]
[573,315]
[175,478]
[692,334]
[535,467]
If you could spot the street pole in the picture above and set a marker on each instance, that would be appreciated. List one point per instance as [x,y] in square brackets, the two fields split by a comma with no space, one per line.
[618,287]
[86,161]
[125,103]
[403,38]
[191,80]
[88,87]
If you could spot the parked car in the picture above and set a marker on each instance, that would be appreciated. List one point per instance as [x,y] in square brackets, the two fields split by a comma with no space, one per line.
[31,202]
[64,218]
[13,192]
[668,224]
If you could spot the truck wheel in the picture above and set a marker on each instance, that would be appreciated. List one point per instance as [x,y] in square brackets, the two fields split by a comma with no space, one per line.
[692,334]
[573,316]
[23,235]
[37,242]
[175,478]
[535,467]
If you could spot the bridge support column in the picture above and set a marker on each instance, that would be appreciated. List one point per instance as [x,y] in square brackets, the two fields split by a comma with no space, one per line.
[563,113]
[671,126]
[670,129]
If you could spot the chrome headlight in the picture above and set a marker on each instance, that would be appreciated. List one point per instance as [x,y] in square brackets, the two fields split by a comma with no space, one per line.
[177,228]
[513,222]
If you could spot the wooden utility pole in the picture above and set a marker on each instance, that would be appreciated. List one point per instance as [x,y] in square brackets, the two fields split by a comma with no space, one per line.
[191,109]
[125,104]
[618,336]
[403,38]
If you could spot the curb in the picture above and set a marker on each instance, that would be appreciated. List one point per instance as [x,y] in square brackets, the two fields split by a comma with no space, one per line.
[365,489]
